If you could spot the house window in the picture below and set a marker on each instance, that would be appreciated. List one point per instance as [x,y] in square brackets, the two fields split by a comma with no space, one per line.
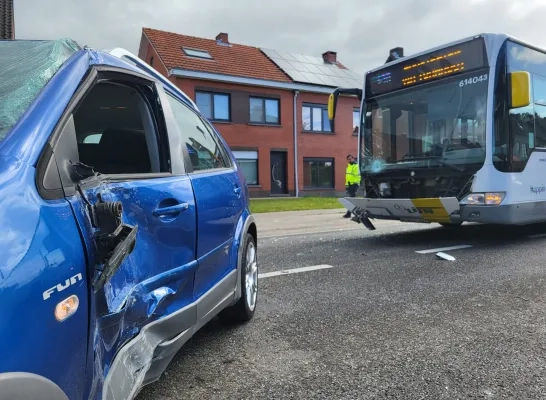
[248,164]
[214,106]
[315,118]
[197,53]
[264,111]
[318,173]
[356,120]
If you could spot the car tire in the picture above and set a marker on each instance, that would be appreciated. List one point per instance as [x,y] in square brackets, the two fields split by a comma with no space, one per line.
[243,310]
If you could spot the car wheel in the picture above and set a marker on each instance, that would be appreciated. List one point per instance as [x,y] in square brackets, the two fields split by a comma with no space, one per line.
[244,309]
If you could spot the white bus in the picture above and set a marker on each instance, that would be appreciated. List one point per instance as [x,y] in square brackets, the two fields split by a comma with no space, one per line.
[453,134]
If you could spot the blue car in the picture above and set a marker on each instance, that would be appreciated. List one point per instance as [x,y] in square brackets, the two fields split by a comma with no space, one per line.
[126,223]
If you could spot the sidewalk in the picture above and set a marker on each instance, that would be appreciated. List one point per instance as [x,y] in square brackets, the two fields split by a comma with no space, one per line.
[312,221]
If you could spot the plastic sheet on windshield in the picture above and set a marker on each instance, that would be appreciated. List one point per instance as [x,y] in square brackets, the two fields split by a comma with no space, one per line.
[25,68]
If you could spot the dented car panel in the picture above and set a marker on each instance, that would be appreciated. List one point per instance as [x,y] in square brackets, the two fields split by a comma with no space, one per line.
[108,270]
[166,243]
[156,279]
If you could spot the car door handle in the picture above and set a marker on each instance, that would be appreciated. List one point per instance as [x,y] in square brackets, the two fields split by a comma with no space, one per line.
[171,210]
[237,191]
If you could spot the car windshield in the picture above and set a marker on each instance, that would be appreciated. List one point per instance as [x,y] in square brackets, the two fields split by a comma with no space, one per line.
[440,124]
[25,68]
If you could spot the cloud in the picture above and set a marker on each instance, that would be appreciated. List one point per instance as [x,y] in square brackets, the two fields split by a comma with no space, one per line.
[361,31]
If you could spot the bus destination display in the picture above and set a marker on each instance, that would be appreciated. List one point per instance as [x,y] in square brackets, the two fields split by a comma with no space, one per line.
[439,64]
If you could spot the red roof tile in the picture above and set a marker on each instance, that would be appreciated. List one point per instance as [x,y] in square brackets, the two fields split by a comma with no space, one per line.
[236,60]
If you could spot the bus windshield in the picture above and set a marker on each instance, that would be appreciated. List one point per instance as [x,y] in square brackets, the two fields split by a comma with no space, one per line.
[433,125]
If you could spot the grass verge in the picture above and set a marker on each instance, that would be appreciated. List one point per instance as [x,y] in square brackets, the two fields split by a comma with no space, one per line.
[299,204]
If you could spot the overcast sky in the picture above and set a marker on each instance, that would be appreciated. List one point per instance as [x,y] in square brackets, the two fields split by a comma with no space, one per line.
[361,31]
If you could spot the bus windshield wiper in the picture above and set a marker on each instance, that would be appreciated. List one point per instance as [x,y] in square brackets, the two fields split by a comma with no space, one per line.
[435,158]
[449,165]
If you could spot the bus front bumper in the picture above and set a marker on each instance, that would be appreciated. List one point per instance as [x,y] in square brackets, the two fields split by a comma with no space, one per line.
[442,210]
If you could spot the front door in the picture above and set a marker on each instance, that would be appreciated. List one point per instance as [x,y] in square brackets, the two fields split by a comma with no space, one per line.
[136,216]
[279,184]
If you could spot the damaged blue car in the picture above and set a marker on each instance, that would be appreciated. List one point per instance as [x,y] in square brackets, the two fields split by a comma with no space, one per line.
[125,218]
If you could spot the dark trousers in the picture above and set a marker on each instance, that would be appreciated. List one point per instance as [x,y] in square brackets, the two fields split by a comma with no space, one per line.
[351,192]
[352,189]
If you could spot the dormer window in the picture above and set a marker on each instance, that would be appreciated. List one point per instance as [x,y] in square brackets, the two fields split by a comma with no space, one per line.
[197,53]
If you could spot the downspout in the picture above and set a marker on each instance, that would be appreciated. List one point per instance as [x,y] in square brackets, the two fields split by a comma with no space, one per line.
[296,174]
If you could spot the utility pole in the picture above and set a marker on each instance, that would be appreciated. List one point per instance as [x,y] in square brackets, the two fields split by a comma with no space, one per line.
[7,20]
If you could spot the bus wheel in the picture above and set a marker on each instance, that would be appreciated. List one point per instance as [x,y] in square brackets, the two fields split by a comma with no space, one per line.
[450,224]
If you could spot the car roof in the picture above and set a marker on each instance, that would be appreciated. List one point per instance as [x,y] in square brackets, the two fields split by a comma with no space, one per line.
[134,63]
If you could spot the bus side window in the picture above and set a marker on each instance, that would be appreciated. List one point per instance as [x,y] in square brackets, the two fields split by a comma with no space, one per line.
[522,122]
[539,100]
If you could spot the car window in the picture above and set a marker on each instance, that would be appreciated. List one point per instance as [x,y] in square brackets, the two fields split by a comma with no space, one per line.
[205,152]
[116,133]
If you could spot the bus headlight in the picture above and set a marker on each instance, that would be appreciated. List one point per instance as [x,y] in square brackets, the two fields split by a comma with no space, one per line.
[484,199]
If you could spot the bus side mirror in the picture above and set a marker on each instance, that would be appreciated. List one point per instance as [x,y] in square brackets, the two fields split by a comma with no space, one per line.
[332,104]
[520,89]
[332,100]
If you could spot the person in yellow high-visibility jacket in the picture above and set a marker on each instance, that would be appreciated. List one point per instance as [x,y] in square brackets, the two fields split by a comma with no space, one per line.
[352,180]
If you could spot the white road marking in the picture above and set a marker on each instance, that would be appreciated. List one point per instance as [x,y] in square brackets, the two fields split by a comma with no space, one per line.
[462,246]
[538,235]
[294,271]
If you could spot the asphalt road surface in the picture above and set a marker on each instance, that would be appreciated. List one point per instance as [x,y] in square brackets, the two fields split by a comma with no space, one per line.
[378,320]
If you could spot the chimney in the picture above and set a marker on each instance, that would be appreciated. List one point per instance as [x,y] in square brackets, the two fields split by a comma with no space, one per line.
[330,56]
[222,38]
[395,54]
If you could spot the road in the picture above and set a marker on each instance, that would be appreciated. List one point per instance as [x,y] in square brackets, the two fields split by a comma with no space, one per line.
[381,321]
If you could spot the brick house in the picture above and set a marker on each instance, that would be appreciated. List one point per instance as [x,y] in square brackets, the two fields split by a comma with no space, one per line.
[270,106]
[7,24]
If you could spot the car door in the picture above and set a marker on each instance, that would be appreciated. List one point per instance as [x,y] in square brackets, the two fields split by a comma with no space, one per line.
[219,205]
[136,216]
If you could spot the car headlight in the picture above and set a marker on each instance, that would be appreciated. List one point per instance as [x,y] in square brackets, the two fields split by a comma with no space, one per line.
[484,199]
